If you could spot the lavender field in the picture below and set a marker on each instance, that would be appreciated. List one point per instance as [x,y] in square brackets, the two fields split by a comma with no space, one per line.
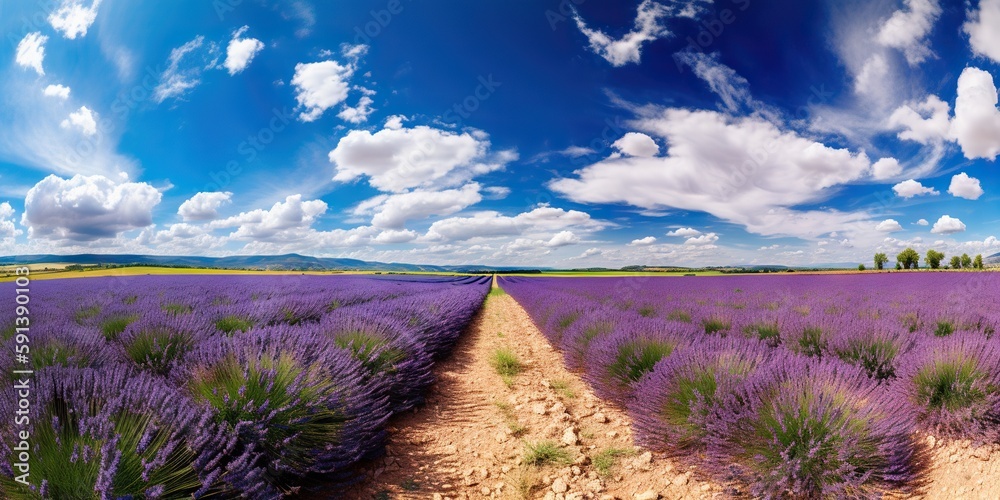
[253,387]
[791,386]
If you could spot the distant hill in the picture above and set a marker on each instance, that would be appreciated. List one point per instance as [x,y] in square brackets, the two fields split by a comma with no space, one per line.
[992,259]
[289,262]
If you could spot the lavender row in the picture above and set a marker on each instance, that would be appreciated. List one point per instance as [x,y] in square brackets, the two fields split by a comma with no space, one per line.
[252,387]
[812,386]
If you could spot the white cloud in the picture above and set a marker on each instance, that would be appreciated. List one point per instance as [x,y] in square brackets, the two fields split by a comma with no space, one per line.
[637,144]
[925,122]
[241,51]
[87,208]
[966,187]
[204,206]
[83,119]
[869,81]
[8,231]
[642,242]
[394,211]
[320,86]
[175,80]
[910,188]
[491,224]
[976,126]
[577,151]
[733,89]
[907,30]
[563,238]
[948,225]
[743,170]
[703,240]
[886,168]
[359,113]
[923,222]
[31,52]
[496,192]
[59,91]
[685,231]
[285,220]
[888,226]
[982,29]
[72,19]
[396,160]
[393,236]
[648,27]
[395,122]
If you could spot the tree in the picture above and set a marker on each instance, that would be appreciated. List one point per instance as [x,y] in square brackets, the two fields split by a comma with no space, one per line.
[880,260]
[908,259]
[934,258]
[966,261]
[899,266]
[861,267]
[978,262]
[956,262]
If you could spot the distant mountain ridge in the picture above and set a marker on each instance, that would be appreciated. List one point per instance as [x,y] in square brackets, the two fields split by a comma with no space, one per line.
[992,259]
[287,262]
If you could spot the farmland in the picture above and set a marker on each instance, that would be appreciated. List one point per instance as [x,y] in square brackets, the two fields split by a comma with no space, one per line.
[818,387]
[181,386]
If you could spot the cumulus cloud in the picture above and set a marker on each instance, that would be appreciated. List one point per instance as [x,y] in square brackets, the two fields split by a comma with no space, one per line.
[910,188]
[285,220]
[888,226]
[177,80]
[627,49]
[359,113]
[73,19]
[204,206]
[322,85]
[87,208]
[643,242]
[394,211]
[703,240]
[8,231]
[743,170]
[30,52]
[923,222]
[58,91]
[907,29]
[948,225]
[399,159]
[966,187]
[241,51]
[872,75]
[393,236]
[637,144]
[685,231]
[976,126]
[926,122]
[982,29]
[562,238]
[83,120]
[886,168]
[490,224]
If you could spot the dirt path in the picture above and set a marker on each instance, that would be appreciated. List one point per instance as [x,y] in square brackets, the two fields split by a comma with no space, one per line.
[470,440]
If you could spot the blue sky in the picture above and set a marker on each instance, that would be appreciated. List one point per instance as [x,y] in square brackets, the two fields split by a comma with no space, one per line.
[562,133]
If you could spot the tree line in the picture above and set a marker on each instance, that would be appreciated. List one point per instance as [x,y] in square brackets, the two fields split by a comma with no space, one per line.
[910,259]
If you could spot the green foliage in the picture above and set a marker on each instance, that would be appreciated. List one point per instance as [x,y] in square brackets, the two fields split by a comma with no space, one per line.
[874,355]
[977,263]
[679,315]
[769,333]
[956,262]
[113,326]
[934,258]
[177,309]
[812,342]
[371,350]
[86,313]
[604,461]
[647,311]
[232,323]
[880,260]
[966,261]
[544,453]
[715,325]
[908,259]
[566,320]
[157,348]
[944,328]
[861,267]
[951,385]
[637,358]
[506,364]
